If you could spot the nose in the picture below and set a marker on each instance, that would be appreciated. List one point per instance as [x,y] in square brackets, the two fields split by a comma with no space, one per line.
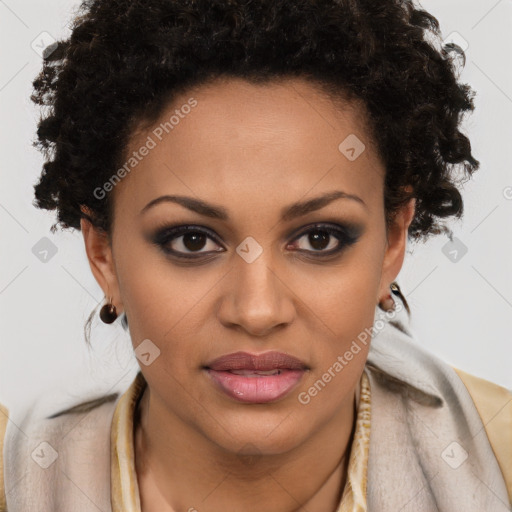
[258,300]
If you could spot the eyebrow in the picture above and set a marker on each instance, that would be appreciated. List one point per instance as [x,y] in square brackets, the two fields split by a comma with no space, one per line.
[288,213]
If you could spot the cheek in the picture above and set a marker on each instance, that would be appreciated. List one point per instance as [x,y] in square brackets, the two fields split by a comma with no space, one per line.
[343,297]
[342,340]
[342,305]
[145,280]
[164,304]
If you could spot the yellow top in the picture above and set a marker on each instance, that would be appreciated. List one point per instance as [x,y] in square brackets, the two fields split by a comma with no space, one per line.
[124,487]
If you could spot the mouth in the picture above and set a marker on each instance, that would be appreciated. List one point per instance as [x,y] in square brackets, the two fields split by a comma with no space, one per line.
[256,378]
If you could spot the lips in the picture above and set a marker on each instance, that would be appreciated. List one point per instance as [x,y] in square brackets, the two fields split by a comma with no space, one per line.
[256,378]
[265,362]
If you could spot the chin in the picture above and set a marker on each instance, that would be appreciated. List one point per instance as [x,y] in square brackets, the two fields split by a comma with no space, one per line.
[258,434]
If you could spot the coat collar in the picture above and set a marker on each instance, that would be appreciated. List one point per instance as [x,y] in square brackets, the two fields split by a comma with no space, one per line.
[396,355]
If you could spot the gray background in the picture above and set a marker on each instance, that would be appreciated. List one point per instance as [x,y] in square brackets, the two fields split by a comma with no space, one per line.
[461,309]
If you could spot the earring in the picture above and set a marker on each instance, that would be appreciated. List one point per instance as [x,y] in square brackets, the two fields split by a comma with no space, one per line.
[108,313]
[396,290]
[387,303]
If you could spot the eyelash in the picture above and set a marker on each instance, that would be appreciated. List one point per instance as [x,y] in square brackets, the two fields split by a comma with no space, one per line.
[346,235]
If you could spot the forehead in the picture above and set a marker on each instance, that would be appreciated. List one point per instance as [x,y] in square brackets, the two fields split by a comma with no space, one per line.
[257,141]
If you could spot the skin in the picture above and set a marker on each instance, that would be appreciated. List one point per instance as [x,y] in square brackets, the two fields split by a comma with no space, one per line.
[252,149]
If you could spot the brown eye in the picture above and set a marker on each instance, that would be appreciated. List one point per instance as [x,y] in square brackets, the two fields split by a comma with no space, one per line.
[319,240]
[186,241]
[325,240]
[193,241]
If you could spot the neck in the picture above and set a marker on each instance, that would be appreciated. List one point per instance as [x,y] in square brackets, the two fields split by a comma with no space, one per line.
[186,471]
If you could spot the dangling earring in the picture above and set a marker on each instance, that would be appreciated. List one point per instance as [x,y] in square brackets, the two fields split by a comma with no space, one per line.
[396,290]
[108,313]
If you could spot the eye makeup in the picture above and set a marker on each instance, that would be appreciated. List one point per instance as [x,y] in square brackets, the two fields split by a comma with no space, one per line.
[179,241]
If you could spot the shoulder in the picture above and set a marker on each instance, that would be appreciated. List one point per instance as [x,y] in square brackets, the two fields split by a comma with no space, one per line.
[37,445]
[494,406]
[402,367]
[4,415]
[396,356]
[485,393]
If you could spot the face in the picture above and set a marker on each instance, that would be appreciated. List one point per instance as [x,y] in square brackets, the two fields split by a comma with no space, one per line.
[277,243]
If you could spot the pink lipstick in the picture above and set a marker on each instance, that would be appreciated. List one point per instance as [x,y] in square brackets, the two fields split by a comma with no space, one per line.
[256,378]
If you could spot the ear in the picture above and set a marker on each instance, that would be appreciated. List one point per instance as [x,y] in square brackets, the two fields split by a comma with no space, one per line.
[396,245]
[99,253]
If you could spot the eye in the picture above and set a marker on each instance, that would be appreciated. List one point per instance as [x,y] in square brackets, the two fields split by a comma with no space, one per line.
[324,239]
[185,241]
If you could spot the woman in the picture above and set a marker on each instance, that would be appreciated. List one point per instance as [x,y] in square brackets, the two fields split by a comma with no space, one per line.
[246,176]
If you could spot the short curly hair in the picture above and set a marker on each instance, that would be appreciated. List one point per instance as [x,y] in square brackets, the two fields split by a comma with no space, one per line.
[125,60]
